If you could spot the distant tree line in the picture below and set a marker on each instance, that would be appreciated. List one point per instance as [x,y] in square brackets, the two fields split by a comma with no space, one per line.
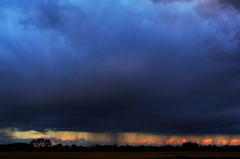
[45,145]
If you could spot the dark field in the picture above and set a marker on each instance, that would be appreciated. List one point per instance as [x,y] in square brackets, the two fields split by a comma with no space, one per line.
[118,155]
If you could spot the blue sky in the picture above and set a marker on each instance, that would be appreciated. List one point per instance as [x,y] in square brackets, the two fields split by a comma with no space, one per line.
[165,67]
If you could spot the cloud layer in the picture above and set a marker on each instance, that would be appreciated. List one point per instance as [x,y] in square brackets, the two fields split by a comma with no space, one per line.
[122,66]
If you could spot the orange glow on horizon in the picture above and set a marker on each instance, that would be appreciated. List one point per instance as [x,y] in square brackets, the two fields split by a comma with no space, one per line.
[158,143]
[208,141]
[89,138]
[184,141]
[222,142]
[235,142]
[172,142]
[144,142]
[53,143]
[108,140]
[37,137]
[68,138]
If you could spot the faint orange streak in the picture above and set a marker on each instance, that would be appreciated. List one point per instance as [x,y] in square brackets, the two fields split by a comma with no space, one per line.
[169,141]
[222,142]
[208,141]
[235,142]
[159,142]
[184,141]
[36,137]
[172,142]
[53,143]
[144,142]
[68,138]
[108,140]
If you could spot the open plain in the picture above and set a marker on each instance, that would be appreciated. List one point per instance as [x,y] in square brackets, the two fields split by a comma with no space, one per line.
[119,155]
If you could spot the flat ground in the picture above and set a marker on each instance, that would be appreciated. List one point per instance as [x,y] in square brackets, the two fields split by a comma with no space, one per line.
[113,155]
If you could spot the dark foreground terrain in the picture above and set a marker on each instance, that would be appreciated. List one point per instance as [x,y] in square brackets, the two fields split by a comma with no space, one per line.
[119,155]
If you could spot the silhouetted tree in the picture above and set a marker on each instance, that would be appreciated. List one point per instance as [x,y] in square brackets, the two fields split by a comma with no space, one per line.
[73,147]
[33,143]
[67,147]
[41,143]
[59,146]
[47,143]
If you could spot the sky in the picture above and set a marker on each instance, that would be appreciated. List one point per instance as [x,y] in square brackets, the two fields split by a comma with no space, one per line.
[122,71]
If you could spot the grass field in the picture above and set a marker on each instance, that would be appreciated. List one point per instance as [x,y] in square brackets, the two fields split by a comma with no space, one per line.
[113,155]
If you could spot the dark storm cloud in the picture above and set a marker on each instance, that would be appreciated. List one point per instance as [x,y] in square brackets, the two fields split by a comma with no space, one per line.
[118,66]
[158,1]
[234,3]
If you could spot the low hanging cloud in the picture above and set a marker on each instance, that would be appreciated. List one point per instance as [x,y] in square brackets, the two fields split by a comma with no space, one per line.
[119,67]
